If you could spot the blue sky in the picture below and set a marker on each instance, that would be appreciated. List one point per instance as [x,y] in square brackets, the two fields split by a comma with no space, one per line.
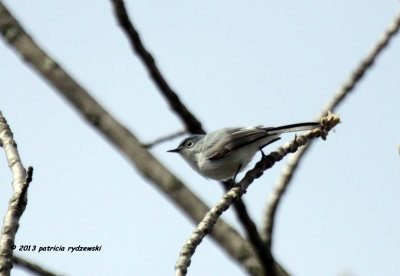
[233,64]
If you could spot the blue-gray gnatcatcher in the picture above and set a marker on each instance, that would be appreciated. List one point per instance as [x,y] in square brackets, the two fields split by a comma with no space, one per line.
[223,153]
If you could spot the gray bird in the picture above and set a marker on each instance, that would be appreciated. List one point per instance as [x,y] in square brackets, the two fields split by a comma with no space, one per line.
[223,153]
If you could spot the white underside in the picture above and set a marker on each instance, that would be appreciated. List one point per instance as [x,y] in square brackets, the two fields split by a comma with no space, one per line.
[226,167]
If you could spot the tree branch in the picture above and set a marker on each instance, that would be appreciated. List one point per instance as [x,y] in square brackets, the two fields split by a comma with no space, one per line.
[208,222]
[252,234]
[124,140]
[348,86]
[18,201]
[189,120]
[164,138]
[192,124]
[34,268]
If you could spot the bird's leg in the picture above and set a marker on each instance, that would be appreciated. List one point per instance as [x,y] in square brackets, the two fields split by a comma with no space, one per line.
[230,183]
[270,142]
[262,152]
[236,173]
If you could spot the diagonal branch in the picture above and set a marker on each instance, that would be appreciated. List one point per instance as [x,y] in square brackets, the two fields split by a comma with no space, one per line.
[191,123]
[34,268]
[18,201]
[348,86]
[208,222]
[124,140]
[252,234]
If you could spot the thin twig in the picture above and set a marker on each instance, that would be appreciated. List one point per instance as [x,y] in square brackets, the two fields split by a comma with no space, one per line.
[252,234]
[291,165]
[164,139]
[206,225]
[190,121]
[229,239]
[18,201]
[34,268]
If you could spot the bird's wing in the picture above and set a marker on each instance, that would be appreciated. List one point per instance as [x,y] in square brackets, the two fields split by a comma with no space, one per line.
[237,137]
[234,138]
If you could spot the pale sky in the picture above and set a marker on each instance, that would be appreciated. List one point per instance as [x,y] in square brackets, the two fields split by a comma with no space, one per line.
[233,63]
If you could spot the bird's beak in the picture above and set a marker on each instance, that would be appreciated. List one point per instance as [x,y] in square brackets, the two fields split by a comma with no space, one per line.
[174,150]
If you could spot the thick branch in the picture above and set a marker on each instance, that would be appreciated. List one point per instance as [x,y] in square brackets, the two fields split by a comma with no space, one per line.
[191,123]
[207,224]
[124,140]
[18,201]
[348,86]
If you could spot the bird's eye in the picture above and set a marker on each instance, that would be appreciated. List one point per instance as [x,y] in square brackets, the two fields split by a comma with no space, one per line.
[189,144]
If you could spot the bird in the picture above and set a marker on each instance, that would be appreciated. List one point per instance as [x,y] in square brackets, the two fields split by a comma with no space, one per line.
[222,154]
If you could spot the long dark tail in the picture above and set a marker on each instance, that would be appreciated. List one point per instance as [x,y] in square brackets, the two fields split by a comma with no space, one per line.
[292,128]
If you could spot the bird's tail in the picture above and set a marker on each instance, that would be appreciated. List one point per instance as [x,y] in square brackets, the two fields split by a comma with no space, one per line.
[292,128]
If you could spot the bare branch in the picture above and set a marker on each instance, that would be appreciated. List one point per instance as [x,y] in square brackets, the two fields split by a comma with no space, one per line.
[362,67]
[191,123]
[22,199]
[231,241]
[165,138]
[252,234]
[34,268]
[348,86]
[18,201]
[207,224]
